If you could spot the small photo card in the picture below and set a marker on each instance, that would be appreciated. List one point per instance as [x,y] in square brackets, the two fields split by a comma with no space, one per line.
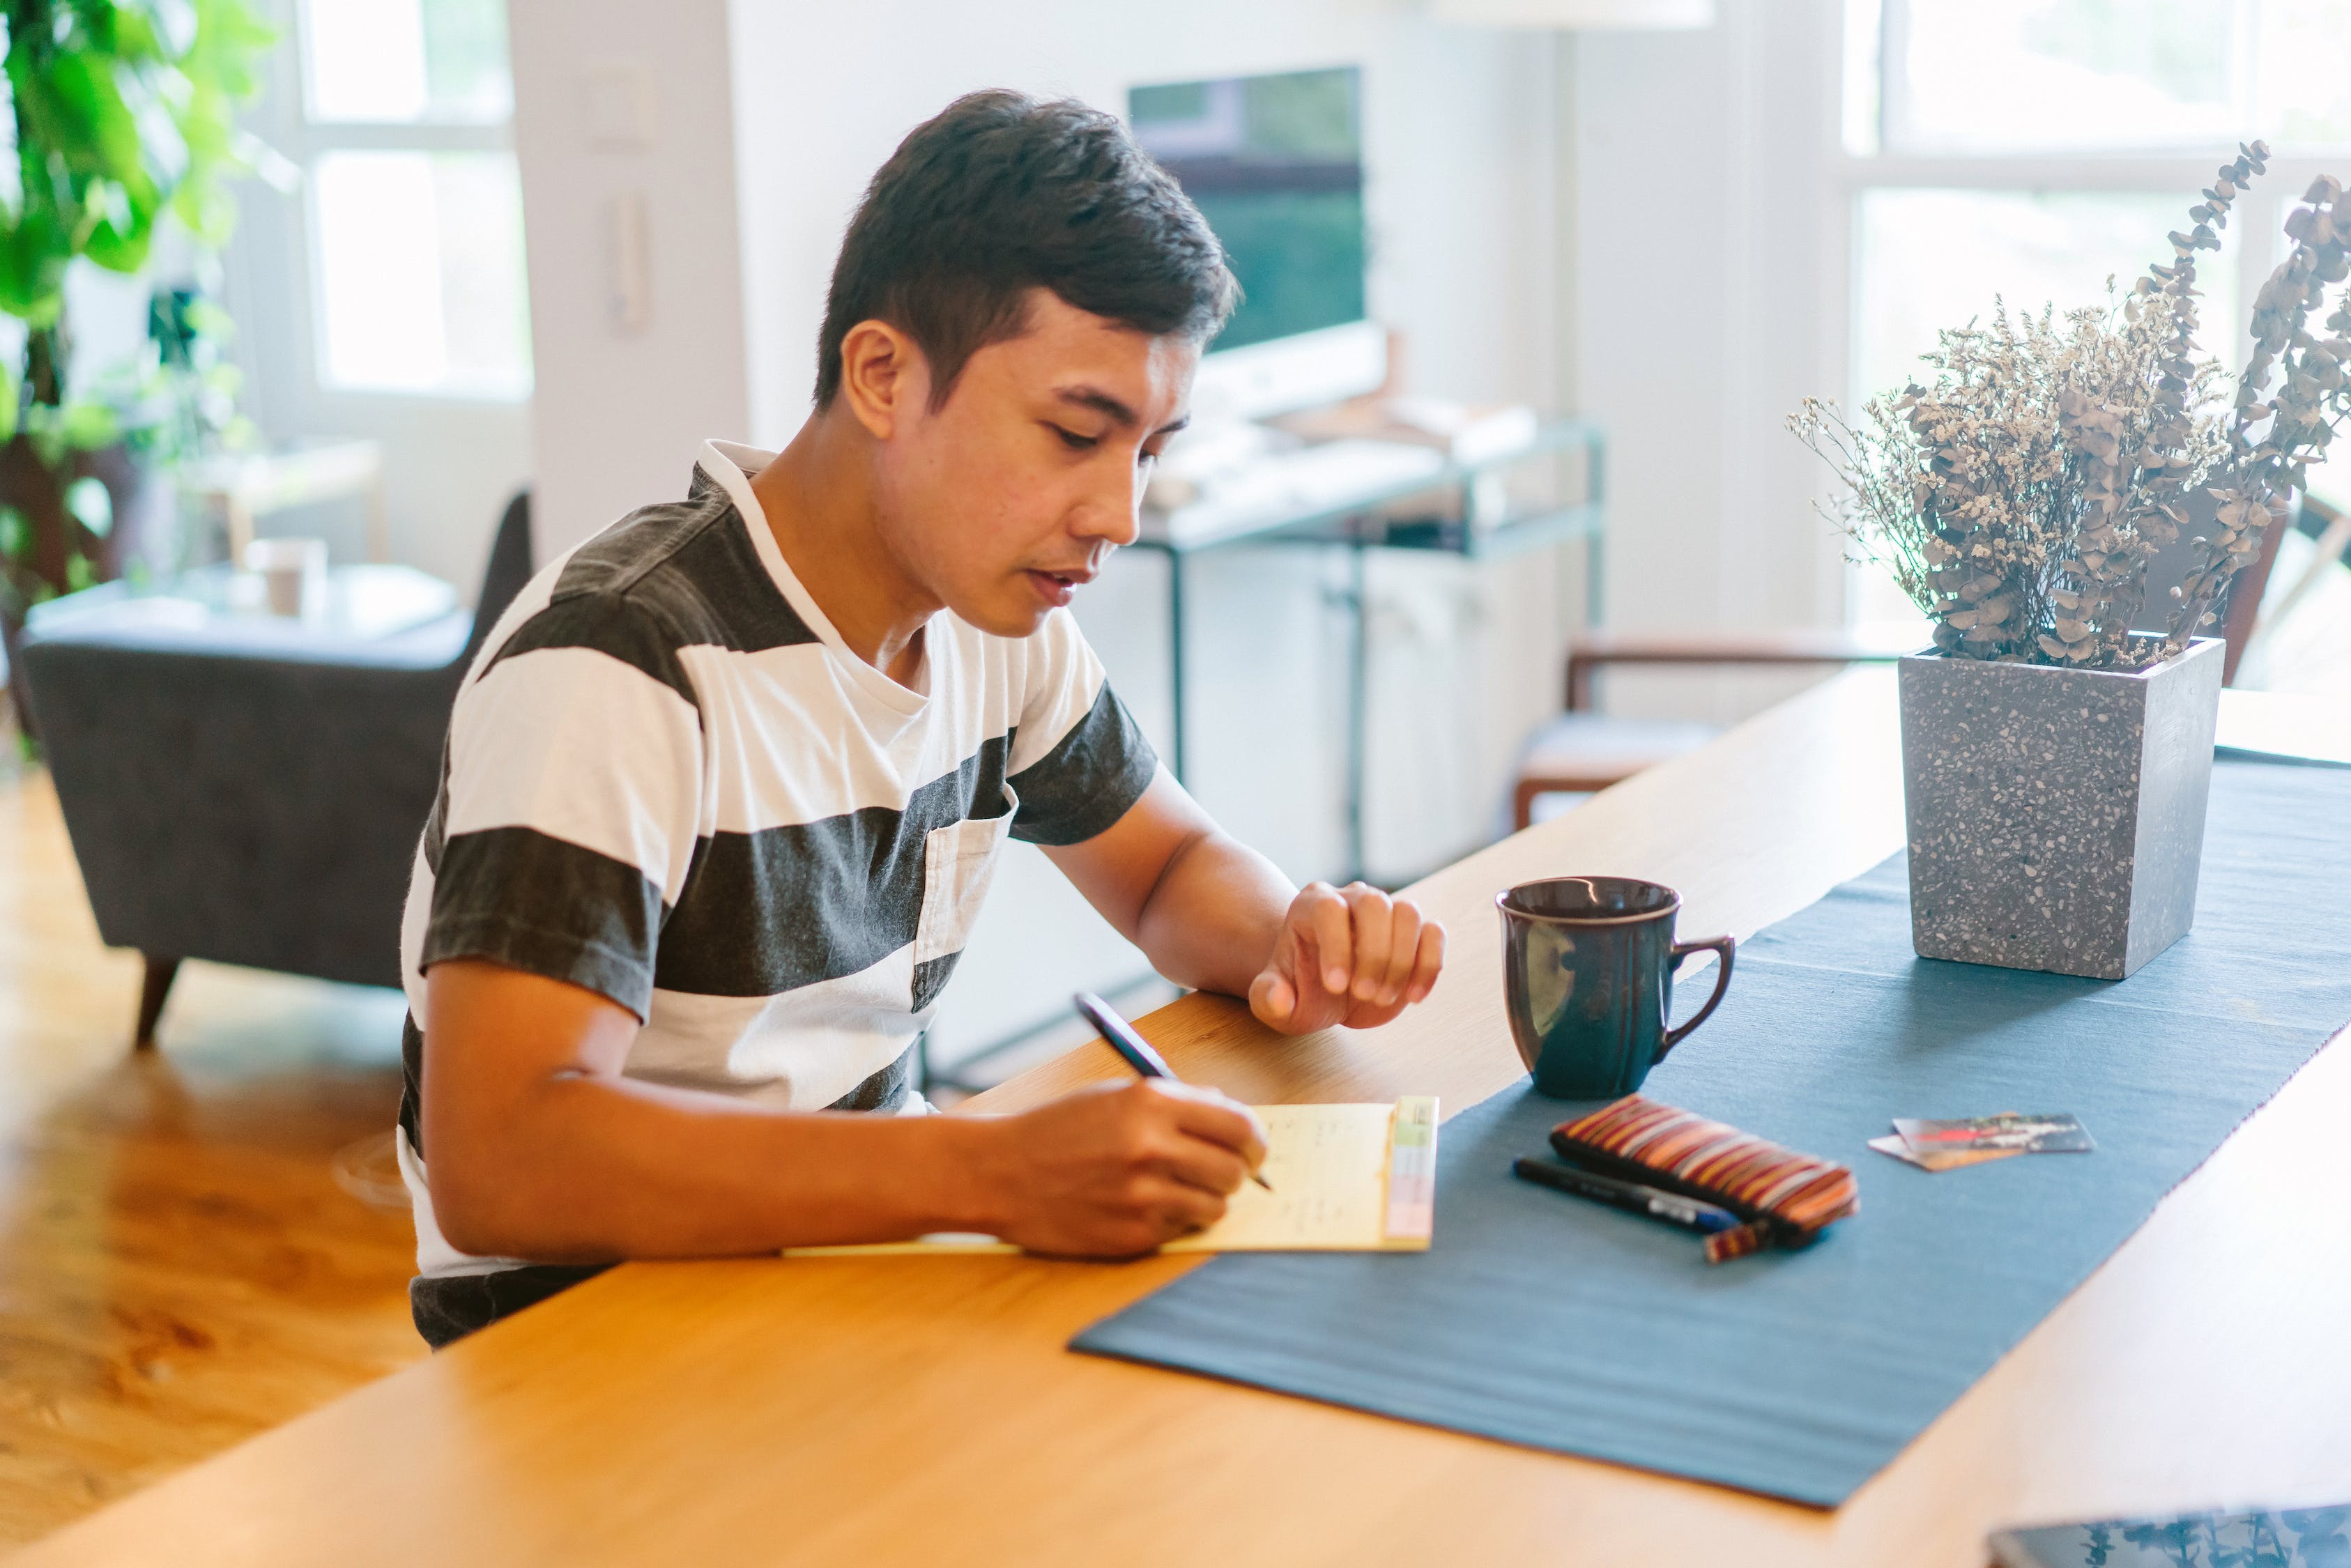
[1937,1159]
[2010,1132]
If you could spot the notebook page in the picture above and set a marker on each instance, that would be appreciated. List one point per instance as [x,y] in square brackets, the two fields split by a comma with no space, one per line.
[1328,1168]
[1327,1164]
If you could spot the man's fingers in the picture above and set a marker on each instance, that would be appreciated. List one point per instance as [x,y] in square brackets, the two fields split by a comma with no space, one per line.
[1183,1207]
[1359,957]
[1403,948]
[1429,962]
[1205,1114]
[1371,916]
[1210,1168]
[1335,945]
[1271,998]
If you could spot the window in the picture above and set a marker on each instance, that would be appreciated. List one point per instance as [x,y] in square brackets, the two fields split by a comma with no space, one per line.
[414,212]
[2033,149]
[1928,258]
[2036,76]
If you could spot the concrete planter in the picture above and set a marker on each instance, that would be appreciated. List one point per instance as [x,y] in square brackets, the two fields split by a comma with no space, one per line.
[2057,816]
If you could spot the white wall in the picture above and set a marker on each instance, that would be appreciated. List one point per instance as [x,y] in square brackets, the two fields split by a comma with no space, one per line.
[1709,284]
[1459,153]
[617,414]
[1457,150]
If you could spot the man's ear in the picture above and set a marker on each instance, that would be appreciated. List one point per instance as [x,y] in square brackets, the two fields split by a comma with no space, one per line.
[884,379]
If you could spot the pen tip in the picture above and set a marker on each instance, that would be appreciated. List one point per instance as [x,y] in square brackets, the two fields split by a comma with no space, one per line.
[1260,1181]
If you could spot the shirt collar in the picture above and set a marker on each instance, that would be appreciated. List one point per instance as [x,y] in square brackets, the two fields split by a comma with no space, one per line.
[732,466]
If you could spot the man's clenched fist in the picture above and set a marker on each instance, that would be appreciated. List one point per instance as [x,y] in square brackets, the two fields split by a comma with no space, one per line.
[1350,956]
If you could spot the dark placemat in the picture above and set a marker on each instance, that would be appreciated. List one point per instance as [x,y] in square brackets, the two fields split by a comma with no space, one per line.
[1561,1324]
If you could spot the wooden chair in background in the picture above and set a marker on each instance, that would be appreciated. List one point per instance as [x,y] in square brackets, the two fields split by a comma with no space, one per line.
[1582,751]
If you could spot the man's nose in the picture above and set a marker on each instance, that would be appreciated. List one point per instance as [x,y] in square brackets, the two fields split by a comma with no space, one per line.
[1112,510]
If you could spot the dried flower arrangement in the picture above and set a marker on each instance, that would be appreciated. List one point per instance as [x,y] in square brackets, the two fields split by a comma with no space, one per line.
[2019,498]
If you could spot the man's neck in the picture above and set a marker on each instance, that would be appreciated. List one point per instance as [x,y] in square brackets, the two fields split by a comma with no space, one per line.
[819,498]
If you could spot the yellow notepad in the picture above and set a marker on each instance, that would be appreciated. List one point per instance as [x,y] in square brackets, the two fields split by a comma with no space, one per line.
[1345,1178]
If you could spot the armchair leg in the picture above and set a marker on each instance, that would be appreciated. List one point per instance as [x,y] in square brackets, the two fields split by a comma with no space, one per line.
[152,990]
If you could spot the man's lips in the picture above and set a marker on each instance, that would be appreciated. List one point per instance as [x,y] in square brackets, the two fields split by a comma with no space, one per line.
[1058,588]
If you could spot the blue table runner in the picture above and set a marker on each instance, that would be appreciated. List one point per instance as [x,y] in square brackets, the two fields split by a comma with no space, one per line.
[1545,1320]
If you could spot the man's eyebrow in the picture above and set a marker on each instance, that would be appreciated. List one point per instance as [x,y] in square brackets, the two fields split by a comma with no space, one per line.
[1100,401]
[1103,402]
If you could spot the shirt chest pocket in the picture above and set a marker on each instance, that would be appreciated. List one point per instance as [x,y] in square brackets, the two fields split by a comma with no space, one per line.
[958,860]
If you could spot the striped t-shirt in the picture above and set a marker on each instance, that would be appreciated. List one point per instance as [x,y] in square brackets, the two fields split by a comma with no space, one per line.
[669,781]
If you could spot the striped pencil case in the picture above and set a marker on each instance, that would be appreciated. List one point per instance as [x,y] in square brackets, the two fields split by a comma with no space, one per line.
[1784,1198]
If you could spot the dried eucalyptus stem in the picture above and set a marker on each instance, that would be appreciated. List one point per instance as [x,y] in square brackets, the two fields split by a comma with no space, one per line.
[2021,496]
[2290,402]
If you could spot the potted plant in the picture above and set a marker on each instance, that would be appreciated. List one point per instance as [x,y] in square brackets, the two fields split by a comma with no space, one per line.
[124,113]
[2057,738]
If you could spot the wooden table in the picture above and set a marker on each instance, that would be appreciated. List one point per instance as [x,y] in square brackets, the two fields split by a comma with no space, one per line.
[923,1411]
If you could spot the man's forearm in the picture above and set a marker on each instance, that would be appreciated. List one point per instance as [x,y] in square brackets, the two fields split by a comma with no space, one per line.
[1215,915]
[1212,917]
[590,1168]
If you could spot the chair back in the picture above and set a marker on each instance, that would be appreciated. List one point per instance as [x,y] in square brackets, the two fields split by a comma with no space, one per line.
[2241,614]
[2239,608]
[256,810]
[510,566]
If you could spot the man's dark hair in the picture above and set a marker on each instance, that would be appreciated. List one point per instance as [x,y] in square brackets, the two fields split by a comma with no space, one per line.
[1001,193]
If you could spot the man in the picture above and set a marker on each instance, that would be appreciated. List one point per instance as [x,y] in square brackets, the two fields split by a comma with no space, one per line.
[724,787]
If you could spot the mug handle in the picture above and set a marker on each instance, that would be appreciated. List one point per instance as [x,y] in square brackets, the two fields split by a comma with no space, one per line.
[1722,945]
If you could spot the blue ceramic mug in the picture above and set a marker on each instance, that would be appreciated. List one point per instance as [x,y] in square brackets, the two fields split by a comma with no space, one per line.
[1588,976]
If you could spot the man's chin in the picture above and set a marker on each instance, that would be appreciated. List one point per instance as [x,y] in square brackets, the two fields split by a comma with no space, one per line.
[1006,615]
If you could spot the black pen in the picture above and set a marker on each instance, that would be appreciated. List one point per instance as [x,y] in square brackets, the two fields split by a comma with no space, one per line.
[1655,1202]
[1132,1048]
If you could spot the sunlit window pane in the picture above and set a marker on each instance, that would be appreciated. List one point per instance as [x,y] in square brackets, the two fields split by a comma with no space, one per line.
[2036,76]
[1997,75]
[401,61]
[419,269]
[1932,259]
[2304,72]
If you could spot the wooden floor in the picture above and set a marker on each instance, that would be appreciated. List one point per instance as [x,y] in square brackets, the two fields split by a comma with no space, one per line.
[179,1267]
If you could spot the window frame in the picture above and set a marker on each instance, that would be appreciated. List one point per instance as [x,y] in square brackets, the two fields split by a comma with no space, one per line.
[303,141]
[2177,172]
[1892,34]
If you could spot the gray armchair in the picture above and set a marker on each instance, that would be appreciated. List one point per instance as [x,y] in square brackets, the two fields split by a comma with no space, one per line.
[250,800]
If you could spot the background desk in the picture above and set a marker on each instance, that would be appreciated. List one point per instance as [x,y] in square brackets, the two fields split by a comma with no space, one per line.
[923,1411]
[1484,528]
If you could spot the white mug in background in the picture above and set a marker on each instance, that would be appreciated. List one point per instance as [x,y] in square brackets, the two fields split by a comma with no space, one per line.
[293,573]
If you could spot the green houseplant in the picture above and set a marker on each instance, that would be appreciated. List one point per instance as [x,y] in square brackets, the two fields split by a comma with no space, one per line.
[124,115]
[2030,498]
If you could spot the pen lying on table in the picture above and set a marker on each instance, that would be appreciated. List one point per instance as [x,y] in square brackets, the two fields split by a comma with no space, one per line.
[1132,1048]
[1655,1202]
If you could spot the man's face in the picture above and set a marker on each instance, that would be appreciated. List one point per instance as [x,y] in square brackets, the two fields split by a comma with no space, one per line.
[1006,499]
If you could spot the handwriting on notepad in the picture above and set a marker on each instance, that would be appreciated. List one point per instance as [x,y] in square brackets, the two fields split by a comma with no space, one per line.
[1333,1189]
[1328,1165]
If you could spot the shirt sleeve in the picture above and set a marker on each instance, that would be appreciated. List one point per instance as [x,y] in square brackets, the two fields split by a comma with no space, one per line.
[1079,759]
[572,801]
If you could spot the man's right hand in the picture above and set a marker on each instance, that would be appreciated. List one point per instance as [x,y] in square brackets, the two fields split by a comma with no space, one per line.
[1117,1169]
